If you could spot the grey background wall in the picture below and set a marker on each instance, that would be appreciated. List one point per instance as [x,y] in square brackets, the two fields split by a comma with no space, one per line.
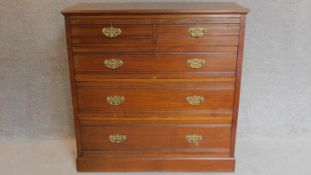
[34,80]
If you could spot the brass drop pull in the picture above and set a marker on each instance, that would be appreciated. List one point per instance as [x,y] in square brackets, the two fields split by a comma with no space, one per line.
[111,32]
[194,138]
[195,100]
[113,63]
[115,100]
[197,32]
[117,138]
[196,63]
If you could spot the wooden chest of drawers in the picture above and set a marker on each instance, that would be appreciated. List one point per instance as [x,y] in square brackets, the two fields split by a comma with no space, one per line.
[155,86]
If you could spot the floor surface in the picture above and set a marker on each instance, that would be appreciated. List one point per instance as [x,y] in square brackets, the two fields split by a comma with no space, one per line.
[256,156]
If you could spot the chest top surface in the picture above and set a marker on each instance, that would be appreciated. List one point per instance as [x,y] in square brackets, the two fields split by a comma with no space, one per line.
[136,8]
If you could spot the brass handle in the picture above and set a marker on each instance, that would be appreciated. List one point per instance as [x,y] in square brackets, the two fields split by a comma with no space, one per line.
[196,63]
[113,63]
[195,100]
[197,32]
[111,32]
[115,100]
[194,138]
[117,138]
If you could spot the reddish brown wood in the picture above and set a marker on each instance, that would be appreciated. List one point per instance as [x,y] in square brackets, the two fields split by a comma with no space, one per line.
[182,31]
[177,154]
[73,85]
[152,137]
[94,99]
[156,63]
[198,20]
[117,42]
[156,164]
[109,21]
[157,8]
[202,83]
[150,49]
[154,117]
[237,85]
[84,76]
[128,31]
[155,80]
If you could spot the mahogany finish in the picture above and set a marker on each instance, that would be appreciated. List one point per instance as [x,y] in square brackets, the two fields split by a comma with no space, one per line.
[155,63]
[160,91]
[156,137]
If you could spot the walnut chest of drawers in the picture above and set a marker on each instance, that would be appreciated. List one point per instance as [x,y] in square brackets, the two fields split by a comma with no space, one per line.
[155,86]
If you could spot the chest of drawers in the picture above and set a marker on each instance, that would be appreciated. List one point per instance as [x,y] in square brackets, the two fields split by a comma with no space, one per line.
[155,86]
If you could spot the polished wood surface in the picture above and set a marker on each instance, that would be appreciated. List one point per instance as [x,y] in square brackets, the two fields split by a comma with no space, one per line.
[155,63]
[156,164]
[90,99]
[159,8]
[167,137]
[128,31]
[153,66]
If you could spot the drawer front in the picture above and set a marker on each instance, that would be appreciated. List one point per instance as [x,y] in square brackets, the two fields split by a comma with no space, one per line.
[154,99]
[127,31]
[110,21]
[152,137]
[155,63]
[213,41]
[149,117]
[113,43]
[198,20]
[185,31]
[149,48]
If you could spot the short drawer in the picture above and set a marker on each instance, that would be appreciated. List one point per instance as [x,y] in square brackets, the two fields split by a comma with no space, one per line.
[198,20]
[127,31]
[110,20]
[154,99]
[164,138]
[212,41]
[181,31]
[155,63]
[113,44]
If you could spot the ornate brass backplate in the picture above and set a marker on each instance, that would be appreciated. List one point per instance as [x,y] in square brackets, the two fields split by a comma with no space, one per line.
[117,138]
[111,32]
[195,100]
[115,100]
[197,32]
[196,63]
[194,138]
[113,63]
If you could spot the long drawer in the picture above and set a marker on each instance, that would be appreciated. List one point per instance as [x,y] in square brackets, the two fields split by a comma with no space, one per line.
[152,137]
[155,62]
[154,99]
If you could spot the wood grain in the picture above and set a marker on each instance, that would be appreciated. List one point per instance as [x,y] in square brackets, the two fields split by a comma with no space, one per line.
[156,8]
[154,99]
[155,63]
[167,137]
[109,21]
[96,31]
[182,31]
[156,164]
[155,81]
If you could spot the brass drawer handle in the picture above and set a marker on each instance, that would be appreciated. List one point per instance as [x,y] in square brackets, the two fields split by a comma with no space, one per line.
[197,32]
[194,138]
[196,63]
[195,100]
[111,32]
[117,138]
[113,63]
[115,100]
